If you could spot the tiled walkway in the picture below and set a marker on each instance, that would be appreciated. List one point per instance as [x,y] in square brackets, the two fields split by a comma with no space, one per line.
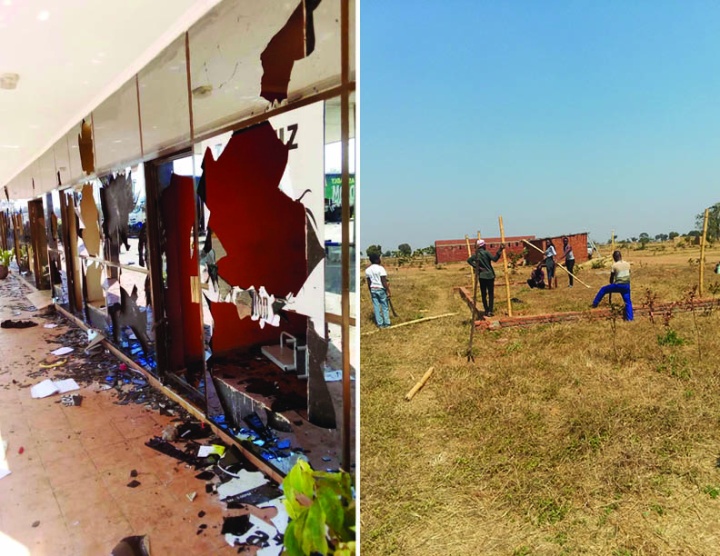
[67,493]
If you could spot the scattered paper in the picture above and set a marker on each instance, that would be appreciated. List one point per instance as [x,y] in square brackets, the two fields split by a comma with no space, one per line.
[67,385]
[4,468]
[282,518]
[246,480]
[205,451]
[62,351]
[50,325]
[191,496]
[259,528]
[44,389]
[49,387]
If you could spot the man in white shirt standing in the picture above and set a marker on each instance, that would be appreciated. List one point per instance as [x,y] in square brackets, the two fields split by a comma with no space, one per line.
[379,290]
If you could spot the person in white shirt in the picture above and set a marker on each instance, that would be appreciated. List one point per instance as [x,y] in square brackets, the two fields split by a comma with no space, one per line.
[377,282]
[619,283]
[550,261]
[569,257]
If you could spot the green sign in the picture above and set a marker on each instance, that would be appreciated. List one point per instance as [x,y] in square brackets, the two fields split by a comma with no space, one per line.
[333,189]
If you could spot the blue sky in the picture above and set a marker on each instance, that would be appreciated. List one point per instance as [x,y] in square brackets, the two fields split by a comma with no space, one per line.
[560,116]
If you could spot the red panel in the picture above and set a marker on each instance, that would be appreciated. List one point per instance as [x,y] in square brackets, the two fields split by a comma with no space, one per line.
[178,211]
[261,229]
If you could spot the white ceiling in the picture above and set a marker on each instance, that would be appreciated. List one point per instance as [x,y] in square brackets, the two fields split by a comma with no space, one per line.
[70,59]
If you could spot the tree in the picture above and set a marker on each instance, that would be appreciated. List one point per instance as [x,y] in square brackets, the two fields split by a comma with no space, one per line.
[387,254]
[430,250]
[673,235]
[713,229]
[374,249]
[693,233]
[644,240]
[634,239]
[661,237]
[405,249]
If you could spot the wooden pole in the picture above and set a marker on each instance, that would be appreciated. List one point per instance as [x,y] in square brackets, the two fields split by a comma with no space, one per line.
[702,252]
[505,267]
[409,323]
[415,389]
[612,240]
[467,243]
[565,269]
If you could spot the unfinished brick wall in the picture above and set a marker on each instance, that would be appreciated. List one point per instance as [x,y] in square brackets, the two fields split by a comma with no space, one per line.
[577,241]
[455,250]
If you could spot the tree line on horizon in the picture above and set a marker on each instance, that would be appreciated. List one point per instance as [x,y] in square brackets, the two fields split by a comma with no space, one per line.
[713,235]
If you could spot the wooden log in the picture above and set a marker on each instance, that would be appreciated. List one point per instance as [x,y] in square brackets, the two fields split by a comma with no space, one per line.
[415,389]
[409,323]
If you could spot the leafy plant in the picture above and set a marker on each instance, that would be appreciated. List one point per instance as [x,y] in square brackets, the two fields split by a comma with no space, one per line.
[712,491]
[670,338]
[322,512]
[598,263]
[5,257]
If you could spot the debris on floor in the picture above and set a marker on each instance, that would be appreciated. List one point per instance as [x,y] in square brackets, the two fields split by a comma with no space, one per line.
[132,546]
[17,324]
[62,351]
[49,387]
[71,401]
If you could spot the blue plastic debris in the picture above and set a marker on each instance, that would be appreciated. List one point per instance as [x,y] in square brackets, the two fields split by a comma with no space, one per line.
[283,444]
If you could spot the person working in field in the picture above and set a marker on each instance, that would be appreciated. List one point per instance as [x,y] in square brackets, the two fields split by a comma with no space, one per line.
[550,261]
[537,278]
[377,282]
[569,257]
[619,283]
[482,261]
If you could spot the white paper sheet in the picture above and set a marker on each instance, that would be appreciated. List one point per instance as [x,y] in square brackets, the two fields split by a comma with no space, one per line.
[246,480]
[50,325]
[44,389]
[62,351]
[282,518]
[67,385]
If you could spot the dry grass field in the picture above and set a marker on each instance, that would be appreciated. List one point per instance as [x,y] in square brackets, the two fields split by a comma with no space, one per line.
[560,438]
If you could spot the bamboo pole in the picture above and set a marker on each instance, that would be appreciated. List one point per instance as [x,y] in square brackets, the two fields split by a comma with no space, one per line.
[505,267]
[409,322]
[467,243]
[415,389]
[565,269]
[702,252]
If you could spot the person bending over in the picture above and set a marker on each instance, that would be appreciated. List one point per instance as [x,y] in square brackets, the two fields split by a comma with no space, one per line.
[619,283]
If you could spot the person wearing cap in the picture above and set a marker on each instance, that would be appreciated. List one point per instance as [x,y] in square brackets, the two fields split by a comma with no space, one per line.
[619,283]
[377,283]
[482,261]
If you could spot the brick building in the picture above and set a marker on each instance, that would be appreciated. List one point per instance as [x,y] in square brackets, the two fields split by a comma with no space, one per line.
[578,242]
[455,250]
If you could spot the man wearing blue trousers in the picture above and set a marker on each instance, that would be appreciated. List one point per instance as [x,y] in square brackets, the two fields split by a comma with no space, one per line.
[619,283]
[377,282]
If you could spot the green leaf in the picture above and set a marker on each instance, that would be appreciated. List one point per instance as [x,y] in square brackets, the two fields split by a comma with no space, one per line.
[299,480]
[313,534]
[334,511]
[291,541]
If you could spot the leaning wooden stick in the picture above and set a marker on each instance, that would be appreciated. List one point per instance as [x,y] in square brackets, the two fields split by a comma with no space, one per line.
[415,389]
[467,242]
[565,269]
[505,267]
[703,240]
